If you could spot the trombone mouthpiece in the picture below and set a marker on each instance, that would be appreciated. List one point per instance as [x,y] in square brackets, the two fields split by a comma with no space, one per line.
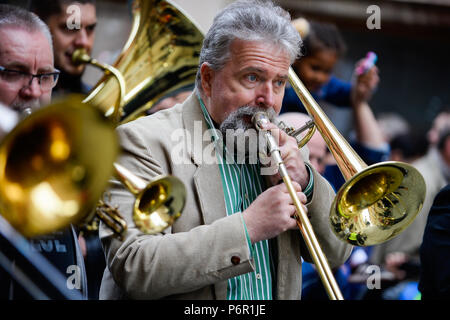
[80,56]
[259,119]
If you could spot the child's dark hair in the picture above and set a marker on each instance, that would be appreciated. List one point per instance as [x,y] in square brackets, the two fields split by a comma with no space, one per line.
[47,8]
[321,36]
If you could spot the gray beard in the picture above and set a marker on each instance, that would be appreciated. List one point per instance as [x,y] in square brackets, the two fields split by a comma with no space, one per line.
[241,137]
[26,107]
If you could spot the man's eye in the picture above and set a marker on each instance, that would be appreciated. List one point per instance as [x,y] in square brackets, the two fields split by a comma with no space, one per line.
[252,78]
[66,30]
[90,28]
[280,83]
[12,76]
[47,78]
[63,27]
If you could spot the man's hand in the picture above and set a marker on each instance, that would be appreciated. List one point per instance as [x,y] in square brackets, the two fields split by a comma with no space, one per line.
[272,212]
[292,158]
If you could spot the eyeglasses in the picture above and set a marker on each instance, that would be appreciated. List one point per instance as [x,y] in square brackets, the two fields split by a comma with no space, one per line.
[22,79]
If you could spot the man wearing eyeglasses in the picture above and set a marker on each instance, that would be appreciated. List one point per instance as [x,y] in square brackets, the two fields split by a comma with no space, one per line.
[72,24]
[27,75]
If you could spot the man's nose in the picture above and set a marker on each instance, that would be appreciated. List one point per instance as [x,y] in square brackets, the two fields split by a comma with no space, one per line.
[32,90]
[265,96]
[81,39]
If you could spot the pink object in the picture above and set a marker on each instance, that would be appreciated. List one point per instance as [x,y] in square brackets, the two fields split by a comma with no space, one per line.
[369,62]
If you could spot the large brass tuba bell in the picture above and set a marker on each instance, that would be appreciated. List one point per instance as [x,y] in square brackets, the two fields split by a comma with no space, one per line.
[50,175]
[160,56]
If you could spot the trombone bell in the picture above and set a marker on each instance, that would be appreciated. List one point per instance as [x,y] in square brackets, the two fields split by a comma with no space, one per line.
[159,204]
[378,203]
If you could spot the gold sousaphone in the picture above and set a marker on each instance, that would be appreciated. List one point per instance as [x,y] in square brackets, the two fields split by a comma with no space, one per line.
[160,57]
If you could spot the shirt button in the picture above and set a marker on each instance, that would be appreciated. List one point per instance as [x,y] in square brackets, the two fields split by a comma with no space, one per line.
[235,260]
[258,276]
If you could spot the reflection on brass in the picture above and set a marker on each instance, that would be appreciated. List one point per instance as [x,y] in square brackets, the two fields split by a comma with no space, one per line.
[55,165]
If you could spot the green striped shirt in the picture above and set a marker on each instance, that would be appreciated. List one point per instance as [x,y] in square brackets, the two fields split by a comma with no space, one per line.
[242,183]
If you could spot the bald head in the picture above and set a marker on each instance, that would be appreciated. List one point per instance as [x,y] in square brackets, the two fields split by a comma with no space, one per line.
[316,145]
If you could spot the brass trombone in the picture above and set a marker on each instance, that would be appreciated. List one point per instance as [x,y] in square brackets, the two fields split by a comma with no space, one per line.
[375,204]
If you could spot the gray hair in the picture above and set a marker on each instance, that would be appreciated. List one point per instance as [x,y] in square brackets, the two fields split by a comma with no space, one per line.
[252,20]
[16,17]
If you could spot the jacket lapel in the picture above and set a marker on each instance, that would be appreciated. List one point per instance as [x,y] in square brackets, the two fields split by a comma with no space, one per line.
[207,180]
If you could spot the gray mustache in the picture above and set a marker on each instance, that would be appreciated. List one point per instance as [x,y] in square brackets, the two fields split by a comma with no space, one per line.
[242,118]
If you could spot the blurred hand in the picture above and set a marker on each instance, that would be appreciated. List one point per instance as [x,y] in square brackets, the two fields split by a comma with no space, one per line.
[364,85]
[9,118]
[272,212]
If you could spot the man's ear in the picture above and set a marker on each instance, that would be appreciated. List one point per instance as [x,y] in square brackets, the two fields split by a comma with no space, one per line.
[207,74]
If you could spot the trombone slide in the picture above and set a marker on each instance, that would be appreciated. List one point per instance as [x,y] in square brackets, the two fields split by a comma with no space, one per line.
[301,218]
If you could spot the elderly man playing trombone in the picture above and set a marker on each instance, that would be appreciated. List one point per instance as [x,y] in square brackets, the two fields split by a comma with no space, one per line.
[236,237]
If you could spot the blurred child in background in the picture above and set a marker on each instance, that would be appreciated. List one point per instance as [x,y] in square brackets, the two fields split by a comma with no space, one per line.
[322,48]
